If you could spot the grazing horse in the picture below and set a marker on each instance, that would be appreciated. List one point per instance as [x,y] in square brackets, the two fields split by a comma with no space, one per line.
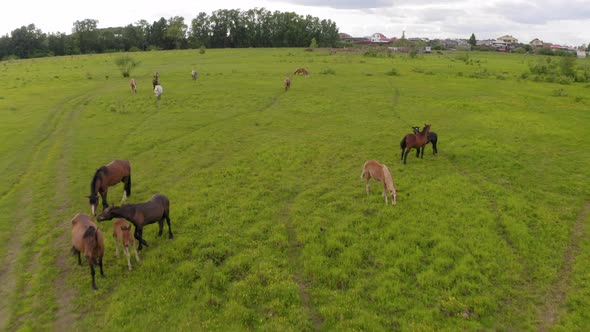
[194,75]
[158,91]
[122,234]
[414,141]
[133,85]
[380,172]
[432,138]
[142,214]
[287,83]
[301,71]
[106,176]
[88,239]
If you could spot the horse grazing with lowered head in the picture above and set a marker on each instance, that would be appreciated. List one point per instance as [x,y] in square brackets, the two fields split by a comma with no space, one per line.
[106,176]
[122,234]
[432,138]
[417,141]
[380,172]
[301,71]
[158,90]
[88,239]
[287,83]
[133,85]
[194,75]
[155,210]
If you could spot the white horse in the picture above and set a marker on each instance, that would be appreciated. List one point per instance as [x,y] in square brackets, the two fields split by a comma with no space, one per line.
[194,74]
[158,91]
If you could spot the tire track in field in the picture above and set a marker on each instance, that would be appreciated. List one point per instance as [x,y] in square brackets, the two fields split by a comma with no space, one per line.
[294,256]
[11,271]
[53,121]
[556,295]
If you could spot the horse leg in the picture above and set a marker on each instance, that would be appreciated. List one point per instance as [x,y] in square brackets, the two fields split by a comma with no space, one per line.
[161,225]
[126,251]
[100,265]
[170,236]
[434,149]
[406,155]
[92,273]
[422,151]
[138,235]
[136,255]
[385,192]
[104,199]
[368,186]
[117,247]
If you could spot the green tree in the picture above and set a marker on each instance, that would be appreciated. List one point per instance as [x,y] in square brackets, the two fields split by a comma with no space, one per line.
[200,32]
[472,40]
[86,35]
[176,33]
[314,43]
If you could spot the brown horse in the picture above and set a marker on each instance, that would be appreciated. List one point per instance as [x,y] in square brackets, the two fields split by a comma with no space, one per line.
[142,214]
[380,172]
[287,83]
[107,176]
[432,138]
[417,141]
[87,239]
[301,71]
[133,85]
[122,234]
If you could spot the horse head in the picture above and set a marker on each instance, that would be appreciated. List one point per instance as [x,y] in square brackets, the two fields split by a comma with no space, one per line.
[93,200]
[107,214]
[416,130]
[427,129]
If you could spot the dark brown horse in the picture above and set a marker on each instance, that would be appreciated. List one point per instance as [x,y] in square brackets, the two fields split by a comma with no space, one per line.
[301,71]
[416,141]
[142,214]
[87,239]
[107,176]
[287,83]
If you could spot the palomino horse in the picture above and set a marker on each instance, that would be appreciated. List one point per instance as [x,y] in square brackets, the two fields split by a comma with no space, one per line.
[122,234]
[133,85]
[88,239]
[301,71]
[158,91]
[414,141]
[142,214]
[380,172]
[194,75]
[432,138]
[287,83]
[106,176]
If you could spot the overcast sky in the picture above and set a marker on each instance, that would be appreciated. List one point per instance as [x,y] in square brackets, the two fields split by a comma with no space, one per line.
[555,21]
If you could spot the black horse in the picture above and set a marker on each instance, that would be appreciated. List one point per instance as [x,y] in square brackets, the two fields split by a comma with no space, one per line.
[432,138]
[142,214]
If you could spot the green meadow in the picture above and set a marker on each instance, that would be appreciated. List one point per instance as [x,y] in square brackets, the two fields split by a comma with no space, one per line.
[273,228]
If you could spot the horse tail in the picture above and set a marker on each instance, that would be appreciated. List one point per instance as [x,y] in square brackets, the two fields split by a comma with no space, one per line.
[89,232]
[128,186]
[402,144]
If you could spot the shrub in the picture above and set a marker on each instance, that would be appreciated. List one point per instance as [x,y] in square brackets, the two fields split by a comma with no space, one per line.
[202,49]
[392,72]
[135,49]
[126,64]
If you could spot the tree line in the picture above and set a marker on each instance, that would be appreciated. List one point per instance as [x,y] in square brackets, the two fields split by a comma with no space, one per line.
[224,28]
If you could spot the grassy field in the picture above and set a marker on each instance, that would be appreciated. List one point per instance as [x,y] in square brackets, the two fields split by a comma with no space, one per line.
[273,228]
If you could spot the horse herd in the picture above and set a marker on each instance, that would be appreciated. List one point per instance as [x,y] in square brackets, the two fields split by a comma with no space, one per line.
[87,237]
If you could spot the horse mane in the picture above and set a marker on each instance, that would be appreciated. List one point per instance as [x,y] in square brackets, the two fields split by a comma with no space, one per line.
[388,178]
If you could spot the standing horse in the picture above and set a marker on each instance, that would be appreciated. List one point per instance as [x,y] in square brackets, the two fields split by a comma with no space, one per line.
[122,234]
[301,71]
[106,176]
[287,83]
[88,239]
[194,75]
[142,214]
[380,172]
[158,91]
[414,141]
[432,138]
[133,85]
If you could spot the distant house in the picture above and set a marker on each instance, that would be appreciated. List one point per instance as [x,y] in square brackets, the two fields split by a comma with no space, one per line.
[581,54]
[485,42]
[536,43]
[508,40]
[379,38]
